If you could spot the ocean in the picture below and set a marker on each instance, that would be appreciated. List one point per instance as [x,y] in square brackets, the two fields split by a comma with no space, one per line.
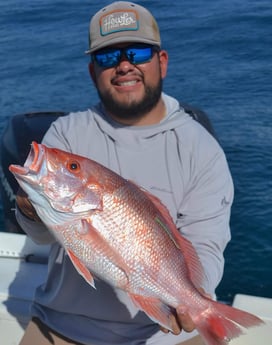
[220,61]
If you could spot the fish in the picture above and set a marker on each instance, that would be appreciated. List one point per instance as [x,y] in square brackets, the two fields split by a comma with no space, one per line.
[114,230]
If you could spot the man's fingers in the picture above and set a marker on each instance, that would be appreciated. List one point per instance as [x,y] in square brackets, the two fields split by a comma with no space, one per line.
[164,330]
[185,320]
[182,321]
[176,329]
[175,325]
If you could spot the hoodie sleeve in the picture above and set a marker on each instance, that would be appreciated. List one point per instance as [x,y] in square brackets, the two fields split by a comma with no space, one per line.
[204,212]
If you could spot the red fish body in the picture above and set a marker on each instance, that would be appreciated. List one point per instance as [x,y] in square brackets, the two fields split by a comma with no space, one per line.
[114,230]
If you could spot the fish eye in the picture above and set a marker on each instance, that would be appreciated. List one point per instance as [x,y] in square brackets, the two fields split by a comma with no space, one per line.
[73,166]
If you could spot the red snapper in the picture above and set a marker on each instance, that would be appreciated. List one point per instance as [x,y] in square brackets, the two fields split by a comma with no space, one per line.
[118,232]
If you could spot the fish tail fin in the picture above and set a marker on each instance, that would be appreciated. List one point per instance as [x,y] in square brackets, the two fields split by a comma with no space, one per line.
[225,323]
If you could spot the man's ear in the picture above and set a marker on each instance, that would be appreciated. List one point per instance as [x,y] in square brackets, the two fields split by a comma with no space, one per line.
[163,56]
[92,72]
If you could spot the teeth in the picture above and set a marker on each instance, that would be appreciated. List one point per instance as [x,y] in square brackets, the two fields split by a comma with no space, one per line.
[128,83]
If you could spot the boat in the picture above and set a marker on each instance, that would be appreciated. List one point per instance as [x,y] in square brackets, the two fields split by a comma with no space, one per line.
[23,267]
[23,264]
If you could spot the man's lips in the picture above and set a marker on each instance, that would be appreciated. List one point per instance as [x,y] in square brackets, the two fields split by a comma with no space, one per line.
[127,83]
[126,80]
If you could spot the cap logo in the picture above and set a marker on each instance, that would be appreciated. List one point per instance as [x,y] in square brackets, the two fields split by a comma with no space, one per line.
[117,21]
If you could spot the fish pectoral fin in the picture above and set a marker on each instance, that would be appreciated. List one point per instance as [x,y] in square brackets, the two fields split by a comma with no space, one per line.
[158,311]
[81,268]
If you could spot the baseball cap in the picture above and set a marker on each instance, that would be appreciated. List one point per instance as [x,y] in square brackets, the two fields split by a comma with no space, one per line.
[121,22]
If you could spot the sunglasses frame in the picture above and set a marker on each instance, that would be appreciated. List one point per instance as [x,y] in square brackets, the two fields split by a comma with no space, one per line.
[123,52]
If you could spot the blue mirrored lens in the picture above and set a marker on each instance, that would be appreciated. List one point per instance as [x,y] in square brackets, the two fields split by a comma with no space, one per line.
[111,57]
[139,55]
[108,58]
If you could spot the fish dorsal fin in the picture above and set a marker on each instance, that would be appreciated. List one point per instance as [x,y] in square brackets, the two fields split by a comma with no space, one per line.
[164,219]
[196,271]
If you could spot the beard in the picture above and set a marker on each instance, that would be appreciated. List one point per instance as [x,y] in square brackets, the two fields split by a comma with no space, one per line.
[135,109]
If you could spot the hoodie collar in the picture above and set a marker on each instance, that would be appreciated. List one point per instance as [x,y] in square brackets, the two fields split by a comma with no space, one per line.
[124,134]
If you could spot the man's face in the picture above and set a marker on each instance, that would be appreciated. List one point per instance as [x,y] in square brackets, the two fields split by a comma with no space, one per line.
[127,90]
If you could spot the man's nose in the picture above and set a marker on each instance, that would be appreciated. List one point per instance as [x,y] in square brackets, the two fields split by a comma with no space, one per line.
[124,64]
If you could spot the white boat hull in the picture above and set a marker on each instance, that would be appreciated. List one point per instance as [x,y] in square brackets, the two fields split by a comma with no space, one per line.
[22,268]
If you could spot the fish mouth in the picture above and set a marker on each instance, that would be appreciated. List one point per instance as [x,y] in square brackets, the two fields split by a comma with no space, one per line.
[33,161]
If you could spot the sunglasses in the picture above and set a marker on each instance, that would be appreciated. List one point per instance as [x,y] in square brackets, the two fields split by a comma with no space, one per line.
[135,54]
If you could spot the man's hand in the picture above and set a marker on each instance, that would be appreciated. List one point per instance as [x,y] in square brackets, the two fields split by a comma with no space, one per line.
[25,206]
[182,321]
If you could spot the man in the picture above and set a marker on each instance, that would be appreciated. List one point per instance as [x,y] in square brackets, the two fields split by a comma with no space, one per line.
[145,136]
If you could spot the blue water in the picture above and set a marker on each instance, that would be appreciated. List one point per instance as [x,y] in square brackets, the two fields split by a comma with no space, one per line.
[220,60]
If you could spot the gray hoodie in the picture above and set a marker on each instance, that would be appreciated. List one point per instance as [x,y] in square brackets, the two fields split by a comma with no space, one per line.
[178,161]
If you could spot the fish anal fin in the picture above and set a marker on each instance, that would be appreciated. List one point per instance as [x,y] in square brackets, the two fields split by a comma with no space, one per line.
[157,311]
[81,268]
